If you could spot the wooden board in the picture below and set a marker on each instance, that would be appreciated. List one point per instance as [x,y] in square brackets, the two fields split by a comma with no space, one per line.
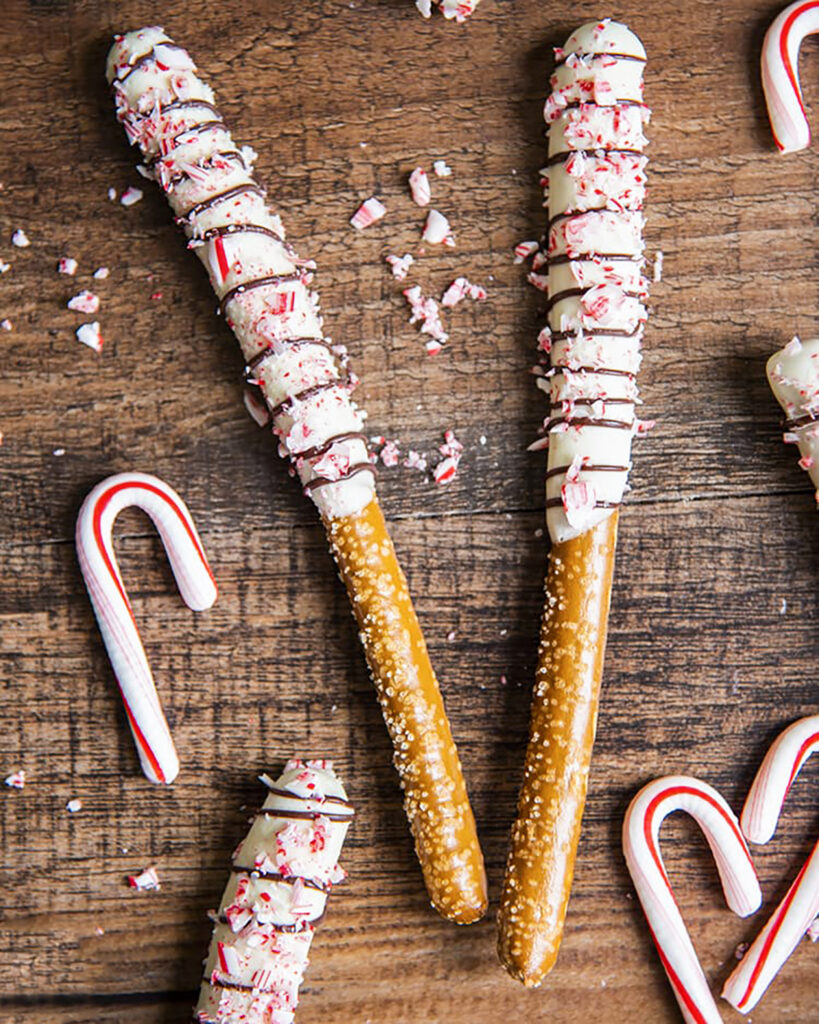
[713,642]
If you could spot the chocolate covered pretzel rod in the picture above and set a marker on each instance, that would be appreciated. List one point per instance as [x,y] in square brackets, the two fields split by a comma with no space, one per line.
[264,295]
[591,262]
[282,873]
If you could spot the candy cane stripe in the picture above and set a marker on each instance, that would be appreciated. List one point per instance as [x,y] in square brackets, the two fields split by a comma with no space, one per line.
[780,75]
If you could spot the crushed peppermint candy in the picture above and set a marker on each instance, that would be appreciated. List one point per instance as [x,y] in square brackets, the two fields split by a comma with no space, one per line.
[461,288]
[74,805]
[130,196]
[437,229]
[415,460]
[441,169]
[399,265]
[523,250]
[112,194]
[389,453]
[425,310]
[17,780]
[419,187]
[67,265]
[4,267]
[6,325]
[146,881]
[452,450]
[101,273]
[84,302]
[368,213]
[58,452]
[90,335]
[20,239]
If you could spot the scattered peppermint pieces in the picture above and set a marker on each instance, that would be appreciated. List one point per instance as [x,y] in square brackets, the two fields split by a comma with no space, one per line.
[368,213]
[399,265]
[441,169]
[460,289]
[67,265]
[58,452]
[17,780]
[101,273]
[425,310]
[389,453]
[6,325]
[419,186]
[130,196]
[84,302]
[452,450]
[523,250]
[89,334]
[20,239]
[437,229]
[4,267]
[73,806]
[415,460]
[112,194]
[147,881]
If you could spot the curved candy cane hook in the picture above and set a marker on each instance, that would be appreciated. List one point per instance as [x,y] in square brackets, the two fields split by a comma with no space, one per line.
[797,911]
[780,74]
[95,550]
[641,829]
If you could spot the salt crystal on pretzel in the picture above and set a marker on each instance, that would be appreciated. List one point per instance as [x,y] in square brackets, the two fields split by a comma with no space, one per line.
[282,874]
[641,828]
[95,552]
[419,186]
[797,911]
[368,213]
[264,294]
[793,374]
[780,74]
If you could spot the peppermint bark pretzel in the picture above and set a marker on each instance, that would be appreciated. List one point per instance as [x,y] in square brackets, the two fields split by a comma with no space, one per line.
[592,257]
[264,294]
[282,874]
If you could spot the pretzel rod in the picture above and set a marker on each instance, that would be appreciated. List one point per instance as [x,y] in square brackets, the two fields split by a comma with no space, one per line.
[282,874]
[593,255]
[295,373]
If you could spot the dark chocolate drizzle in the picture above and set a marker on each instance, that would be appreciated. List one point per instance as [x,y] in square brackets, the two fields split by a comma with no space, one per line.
[587,468]
[588,421]
[220,197]
[570,293]
[272,812]
[290,795]
[800,421]
[146,58]
[258,282]
[558,503]
[274,876]
[599,153]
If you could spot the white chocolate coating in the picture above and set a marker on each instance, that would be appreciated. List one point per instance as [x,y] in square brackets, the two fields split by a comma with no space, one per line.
[168,112]
[594,253]
[282,873]
[793,373]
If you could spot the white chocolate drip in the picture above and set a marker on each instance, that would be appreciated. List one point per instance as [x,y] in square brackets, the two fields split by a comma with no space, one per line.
[597,291]
[793,374]
[282,873]
[262,285]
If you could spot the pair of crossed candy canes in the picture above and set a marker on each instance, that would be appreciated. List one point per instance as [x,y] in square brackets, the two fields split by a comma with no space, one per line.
[112,608]
[789,922]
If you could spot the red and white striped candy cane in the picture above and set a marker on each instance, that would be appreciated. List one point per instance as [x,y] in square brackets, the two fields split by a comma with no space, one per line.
[780,74]
[736,870]
[95,550]
[797,911]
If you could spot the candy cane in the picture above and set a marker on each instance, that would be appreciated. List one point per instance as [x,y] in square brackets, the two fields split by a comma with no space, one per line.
[780,74]
[736,870]
[112,608]
[798,910]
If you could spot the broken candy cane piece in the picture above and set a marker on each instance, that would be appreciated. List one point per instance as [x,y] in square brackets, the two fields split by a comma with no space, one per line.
[419,186]
[460,10]
[368,213]
[437,229]
[441,169]
[460,289]
[399,265]
[84,302]
[95,551]
[641,829]
[67,265]
[20,239]
[145,881]
[523,250]
[796,914]
[780,74]
[452,450]
[17,780]
[793,374]
[425,310]
[90,335]
[282,874]
[130,196]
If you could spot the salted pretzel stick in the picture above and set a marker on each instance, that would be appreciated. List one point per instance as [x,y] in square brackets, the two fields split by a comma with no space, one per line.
[592,257]
[799,907]
[793,374]
[264,294]
[282,874]
[780,74]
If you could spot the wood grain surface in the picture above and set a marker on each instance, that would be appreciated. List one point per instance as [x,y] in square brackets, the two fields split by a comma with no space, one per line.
[712,645]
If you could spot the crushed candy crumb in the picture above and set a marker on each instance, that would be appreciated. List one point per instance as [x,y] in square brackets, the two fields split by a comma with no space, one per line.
[67,265]
[20,239]
[101,273]
[6,325]
[368,213]
[130,196]
[389,453]
[73,806]
[452,450]
[58,452]
[415,460]
[441,169]
[437,229]
[89,334]
[84,302]
[399,265]
[425,310]
[112,194]
[419,187]
[460,289]
[146,881]
[17,780]
[4,267]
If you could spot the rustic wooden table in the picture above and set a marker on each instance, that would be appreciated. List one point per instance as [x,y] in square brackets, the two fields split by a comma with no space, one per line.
[713,641]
